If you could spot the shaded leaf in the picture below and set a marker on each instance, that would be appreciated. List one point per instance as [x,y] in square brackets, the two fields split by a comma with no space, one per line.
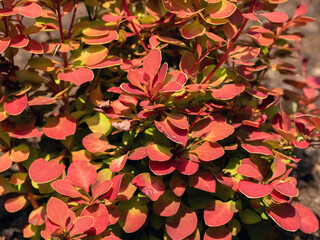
[217,213]
[167,205]
[217,233]
[100,215]
[203,180]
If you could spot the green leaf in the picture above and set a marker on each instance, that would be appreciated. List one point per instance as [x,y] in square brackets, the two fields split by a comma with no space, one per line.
[99,123]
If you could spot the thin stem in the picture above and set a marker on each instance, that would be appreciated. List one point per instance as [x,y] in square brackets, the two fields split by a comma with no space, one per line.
[73,18]
[28,188]
[125,6]
[225,55]
[64,55]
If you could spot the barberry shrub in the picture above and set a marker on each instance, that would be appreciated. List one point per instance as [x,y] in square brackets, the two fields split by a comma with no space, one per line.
[153,119]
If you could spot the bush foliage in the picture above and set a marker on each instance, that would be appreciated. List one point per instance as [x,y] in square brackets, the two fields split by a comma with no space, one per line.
[153,119]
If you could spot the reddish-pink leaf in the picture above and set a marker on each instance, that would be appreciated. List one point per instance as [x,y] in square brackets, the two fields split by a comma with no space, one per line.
[64,187]
[167,205]
[20,131]
[178,120]
[14,202]
[209,151]
[228,91]
[129,88]
[278,167]
[16,106]
[159,153]
[178,185]
[30,9]
[276,17]
[254,190]
[138,153]
[285,215]
[286,188]
[5,162]
[117,164]
[162,168]
[151,63]
[302,144]
[113,192]
[186,166]
[4,43]
[41,100]
[19,41]
[183,224]
[203,180]
[82,174]
[249,169]
[100,215]
[108,62]
[99,188]
[171,87]
[221,9]
[96,143]
[114,214]
[57,212]
[257,149]
[193,30]
[309,222]
[81,225]
[217,233]
[42,171]
[150,185]
[34,47]
[217,213]
[78,76]
[219,132]
[59,127]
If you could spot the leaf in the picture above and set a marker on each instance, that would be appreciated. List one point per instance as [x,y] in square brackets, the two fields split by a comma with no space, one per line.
[177,184]
[180,7]
[133,214]
[57,212]
[100,40]
[285,215]
[96,31]
[159,153]
[16,106]
[186,166]
[81,225]
[96,143]
[286,188]
[82,174]
[100,214]
[112,194]
[249,169]
[219,131]
[34,47]
[222,9]
[78,76]
[162,168]
[64,187]
[217,233]
[217,213]
[203,180]
[6,186]
[278,167]
[99,188]
[4,43]
[183,224]
[152,186]
[117,164]
[276,17]
[309,222]
[14,203]
[94,55]
[167,205]
[209,151]
[59,127]
[30,9]
[41,100]
[178,120]
[5,162]
[257,149]
[228,91]
[151,63]
[20,153]
[42,63]
[42,171]
[193,30]
[254,190]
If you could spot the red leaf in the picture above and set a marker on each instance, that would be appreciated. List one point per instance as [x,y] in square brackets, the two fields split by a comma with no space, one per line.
[117,164]
[286,188]
[217,233]
[254,190]
[309,222]
[16,106]
[151,63]
[34,47]
[129,88]
[178,185]
[60,127]
[182,224]
[138,153]
[96,143]
[278,167]
[64,187]
[81,225]
[186,166]
[228,91]
[5,162]
[100,215]
[152,186]
[217,213]
[78,76]
[209,151]
[99,188]
[219,131]
[167,205]
[39,101]
[112,194]
[276,17]
[19,41]
[162,168]
[14,203]
[249,169]
[4,43]
[257,149]
[158,153]
[42,171]
[203,180]
[57,212]
[285,215]
[82,174]
[20,131]
[30,9]
[178,120]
